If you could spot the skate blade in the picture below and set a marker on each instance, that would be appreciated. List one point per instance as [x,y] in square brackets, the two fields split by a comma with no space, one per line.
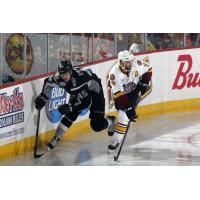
[111,151]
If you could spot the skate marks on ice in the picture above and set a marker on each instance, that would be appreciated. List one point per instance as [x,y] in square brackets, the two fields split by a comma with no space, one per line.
[164,140]
[180,147]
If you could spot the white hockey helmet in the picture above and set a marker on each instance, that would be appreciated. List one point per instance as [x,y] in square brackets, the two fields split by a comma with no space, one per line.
[125,59]
[135,48]
[125,56]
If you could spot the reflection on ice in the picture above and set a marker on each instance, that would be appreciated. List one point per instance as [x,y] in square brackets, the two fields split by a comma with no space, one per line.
[165,140]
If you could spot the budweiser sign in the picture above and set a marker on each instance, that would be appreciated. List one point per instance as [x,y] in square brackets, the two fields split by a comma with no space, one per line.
[184,77]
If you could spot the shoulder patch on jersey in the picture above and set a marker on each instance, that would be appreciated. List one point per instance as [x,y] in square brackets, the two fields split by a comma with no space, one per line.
[112,77]
[146,59]
[139,62]
[145,64]
[89,71]
[136,73]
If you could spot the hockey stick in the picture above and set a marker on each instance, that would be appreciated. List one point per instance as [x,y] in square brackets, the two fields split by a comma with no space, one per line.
[36,138]
[117,156]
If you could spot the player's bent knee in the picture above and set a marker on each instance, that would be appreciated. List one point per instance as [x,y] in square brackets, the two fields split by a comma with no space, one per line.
[98,124]
[66,121]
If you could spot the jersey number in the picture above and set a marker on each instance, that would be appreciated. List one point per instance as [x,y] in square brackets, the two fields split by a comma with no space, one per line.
[82,95]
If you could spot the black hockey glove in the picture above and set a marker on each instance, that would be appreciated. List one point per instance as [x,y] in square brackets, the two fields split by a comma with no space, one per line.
[65,108]
[142,87]
[131,114]
[40,101]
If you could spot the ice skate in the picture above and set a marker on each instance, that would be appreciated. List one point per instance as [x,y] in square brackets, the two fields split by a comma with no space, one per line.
[53,143]
[113,147]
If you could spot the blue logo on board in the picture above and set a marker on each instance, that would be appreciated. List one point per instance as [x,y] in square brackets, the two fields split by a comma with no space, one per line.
[57,96]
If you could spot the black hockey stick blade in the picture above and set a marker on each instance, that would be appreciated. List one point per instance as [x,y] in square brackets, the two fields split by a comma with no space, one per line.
[38,155]
[115,158]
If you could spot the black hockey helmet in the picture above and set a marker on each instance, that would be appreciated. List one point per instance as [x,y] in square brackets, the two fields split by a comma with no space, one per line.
[65,66]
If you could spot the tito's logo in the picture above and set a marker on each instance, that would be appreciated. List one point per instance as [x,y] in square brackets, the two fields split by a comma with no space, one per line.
[57,96]
[184,77]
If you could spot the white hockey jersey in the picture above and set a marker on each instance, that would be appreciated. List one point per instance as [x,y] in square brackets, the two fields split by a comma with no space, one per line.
[122,83]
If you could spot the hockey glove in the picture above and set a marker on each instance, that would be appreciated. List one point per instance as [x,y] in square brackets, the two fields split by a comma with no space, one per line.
[65,108]
[40,101]
[131,114]
[142,87]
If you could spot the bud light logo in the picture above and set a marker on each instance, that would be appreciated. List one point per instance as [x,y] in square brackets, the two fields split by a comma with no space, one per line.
[57,96]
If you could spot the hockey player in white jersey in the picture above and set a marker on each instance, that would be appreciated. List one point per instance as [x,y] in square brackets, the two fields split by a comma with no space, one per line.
[129,79]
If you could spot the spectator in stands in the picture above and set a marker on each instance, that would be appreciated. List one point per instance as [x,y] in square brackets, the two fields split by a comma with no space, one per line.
[138,44]
[77,55]
[197,43]
[172,40]
[81,48]
[62,55]
[39,59]
[122,41]
[193,38]
[154,40]
[104,45]
[188,41]
[136,38]
[135,48]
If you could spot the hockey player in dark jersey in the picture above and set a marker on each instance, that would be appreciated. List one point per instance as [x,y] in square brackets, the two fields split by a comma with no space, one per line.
[85,91]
